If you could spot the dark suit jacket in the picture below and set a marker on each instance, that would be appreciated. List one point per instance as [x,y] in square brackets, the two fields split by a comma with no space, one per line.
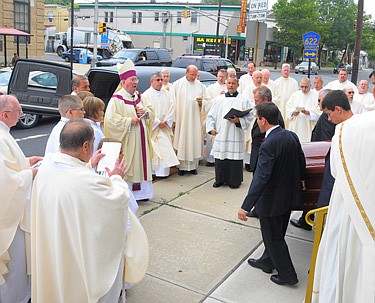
[276,186]
[256,140]
[323,130]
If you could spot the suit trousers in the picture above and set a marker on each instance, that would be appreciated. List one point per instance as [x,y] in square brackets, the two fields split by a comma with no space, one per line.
[273,233]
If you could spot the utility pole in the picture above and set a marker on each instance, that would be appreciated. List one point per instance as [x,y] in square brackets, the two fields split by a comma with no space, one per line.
[218,27]
[71,32]
[357,47]
[95,54]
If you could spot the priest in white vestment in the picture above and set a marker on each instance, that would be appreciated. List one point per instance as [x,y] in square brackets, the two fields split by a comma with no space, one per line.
[189,94]
[247,79]
[318,84]
[355,105]
[342,82]
[229,135]
[301,111]
[70,107]
[364,97]
[79,221]
[15,185]
[345,263]
[267,81]
[285,86]
[164,156]
[129,118]
[213,90]
[166,78]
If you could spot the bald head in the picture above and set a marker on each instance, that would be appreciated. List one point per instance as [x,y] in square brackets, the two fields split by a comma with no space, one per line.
[191,73]
[10,110]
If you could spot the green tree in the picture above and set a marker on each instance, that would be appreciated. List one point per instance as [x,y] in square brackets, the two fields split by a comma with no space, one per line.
[293,19]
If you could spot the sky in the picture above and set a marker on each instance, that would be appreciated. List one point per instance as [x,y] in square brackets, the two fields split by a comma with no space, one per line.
[369,6]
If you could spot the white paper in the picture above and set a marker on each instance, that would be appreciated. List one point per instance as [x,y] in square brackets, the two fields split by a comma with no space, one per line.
[112,152]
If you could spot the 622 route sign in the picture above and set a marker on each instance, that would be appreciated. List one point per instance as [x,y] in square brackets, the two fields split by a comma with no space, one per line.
[311,40]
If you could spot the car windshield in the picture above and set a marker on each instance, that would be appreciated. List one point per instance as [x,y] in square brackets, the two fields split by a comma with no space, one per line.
[4,78]
[303,64]
[126,54]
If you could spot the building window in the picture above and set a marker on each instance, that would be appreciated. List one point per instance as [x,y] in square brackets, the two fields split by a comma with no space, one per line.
[156,16]
[50,16]
[185,38]
[179,20]
[139,17]
[134,18]
[194,17]
[105,16]
[22,17]
[111,17]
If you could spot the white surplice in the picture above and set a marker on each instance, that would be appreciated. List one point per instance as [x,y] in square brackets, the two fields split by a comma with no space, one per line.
[366,99]
[164,156]
[345,263]
[188,135]
[53,142]
[230,141]
[284,88]
[336,84]
[79,222]
[244,81]
[302,124]
[15,185]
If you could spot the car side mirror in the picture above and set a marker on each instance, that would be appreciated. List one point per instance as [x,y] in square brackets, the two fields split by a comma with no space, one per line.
[238,69]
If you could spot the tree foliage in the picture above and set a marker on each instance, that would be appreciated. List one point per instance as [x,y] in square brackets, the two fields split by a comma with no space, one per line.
[333,20]
[61,2]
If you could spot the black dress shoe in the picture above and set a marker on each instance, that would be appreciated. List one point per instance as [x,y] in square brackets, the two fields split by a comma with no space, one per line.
[247,167]
[234,186]
[209,164]
[252,214]
[300,223]
[260,265]
[194,172]
[276,279]
[217,184]
[181,172]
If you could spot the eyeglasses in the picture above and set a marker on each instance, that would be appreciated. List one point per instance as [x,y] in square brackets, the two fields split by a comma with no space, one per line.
[158,80]
[304,86]
[351,93]
[80,109]
[19,111]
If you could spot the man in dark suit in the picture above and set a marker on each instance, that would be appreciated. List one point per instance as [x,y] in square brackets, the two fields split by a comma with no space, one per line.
[275,190]
[262,94]
[323,131]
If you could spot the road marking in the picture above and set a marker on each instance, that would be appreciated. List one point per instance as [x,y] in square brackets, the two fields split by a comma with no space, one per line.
[32,137]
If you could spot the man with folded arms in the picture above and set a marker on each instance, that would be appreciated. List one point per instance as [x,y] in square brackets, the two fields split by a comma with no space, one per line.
[229,135]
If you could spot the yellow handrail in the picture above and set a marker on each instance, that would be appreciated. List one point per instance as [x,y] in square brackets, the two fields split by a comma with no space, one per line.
[320,214]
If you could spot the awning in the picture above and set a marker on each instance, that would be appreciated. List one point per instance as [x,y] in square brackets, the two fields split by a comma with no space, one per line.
[13,32]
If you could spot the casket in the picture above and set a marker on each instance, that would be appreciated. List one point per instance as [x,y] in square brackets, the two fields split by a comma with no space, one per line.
[315,153]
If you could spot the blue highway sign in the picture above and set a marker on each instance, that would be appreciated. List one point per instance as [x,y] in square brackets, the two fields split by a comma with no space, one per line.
[311,40]
[309,53]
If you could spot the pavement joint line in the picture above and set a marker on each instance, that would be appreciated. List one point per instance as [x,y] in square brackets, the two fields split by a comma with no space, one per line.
[176,284]
[232,271]
[300,238]
[31,137]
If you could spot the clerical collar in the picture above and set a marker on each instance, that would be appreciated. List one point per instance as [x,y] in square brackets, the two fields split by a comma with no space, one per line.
[132,96]
[157,92]
[228,94]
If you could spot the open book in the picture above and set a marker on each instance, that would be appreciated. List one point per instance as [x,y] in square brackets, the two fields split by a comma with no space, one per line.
[237,113]
[112,152]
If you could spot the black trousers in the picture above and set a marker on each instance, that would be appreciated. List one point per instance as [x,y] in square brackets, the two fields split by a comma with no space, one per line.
[273,233]
[229,171]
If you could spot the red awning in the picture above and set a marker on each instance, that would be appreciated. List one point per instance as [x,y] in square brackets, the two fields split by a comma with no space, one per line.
[12,32]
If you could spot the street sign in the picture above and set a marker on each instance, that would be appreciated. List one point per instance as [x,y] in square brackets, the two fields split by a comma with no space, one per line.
[104,40]
[311,40]
[309,53]
[258,5]
[257,16]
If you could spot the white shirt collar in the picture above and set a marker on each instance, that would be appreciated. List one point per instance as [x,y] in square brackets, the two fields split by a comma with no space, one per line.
[271,129]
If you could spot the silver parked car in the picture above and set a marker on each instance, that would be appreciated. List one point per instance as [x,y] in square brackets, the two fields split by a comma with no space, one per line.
[303,68]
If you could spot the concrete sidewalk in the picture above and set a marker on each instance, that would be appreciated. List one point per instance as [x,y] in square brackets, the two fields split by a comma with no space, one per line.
[199,249]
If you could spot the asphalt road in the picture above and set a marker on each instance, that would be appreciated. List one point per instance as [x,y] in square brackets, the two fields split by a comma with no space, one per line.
[33,141]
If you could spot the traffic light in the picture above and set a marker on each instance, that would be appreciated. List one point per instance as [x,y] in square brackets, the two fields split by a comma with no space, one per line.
[185,14]
[102,27]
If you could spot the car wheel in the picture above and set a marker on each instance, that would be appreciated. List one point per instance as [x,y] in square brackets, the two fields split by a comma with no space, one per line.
[28,121]
[296,72]
[60,51]
[317,72]
[67,59]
